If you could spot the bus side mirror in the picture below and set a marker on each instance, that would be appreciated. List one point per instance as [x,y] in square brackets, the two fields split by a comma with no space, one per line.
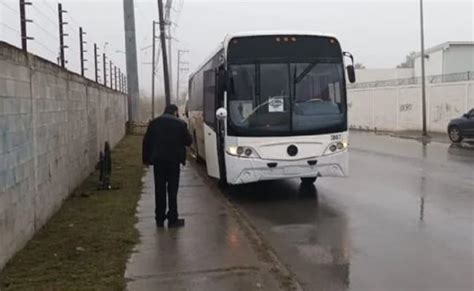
[221,113]
[351,73]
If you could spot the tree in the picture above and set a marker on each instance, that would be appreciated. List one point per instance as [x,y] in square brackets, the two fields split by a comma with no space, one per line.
[409,61]
[359,66]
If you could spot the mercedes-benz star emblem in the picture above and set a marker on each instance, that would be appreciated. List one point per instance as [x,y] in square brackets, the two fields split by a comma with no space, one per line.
[292,150]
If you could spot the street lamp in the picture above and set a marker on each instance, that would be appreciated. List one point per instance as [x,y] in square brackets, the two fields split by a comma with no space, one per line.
[423,85]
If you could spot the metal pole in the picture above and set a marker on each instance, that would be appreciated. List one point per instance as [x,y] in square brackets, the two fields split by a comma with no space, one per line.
[168,6]
[423,81]
[119,88]
[131,53]
[23,21]
[164,53]
[124,83]
[24,42]
[96,64]
[104,64]
[81,48]
[177,77]
[111,75]
[61,35]
[115,78]
[153,71]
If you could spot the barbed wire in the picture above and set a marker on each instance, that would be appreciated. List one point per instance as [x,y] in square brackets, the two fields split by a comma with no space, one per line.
[9,27]
[44,17]
[10,8]
[56,54]
[53,10]
[48,18]
[49,34]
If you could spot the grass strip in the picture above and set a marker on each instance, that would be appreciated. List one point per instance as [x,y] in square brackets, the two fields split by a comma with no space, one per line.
[86,244]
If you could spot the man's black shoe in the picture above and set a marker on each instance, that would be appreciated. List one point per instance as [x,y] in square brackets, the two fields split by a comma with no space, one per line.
[177,223]
[160,224]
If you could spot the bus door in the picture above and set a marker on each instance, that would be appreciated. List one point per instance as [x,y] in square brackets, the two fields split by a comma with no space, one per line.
[210,124]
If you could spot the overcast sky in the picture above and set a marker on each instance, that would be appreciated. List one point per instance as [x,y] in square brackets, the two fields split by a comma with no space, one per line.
[379,33]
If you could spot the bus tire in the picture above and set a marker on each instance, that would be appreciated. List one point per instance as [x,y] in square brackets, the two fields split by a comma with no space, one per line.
[223,183]
[308,181]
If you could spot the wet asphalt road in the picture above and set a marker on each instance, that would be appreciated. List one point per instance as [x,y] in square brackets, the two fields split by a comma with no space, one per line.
[403,220]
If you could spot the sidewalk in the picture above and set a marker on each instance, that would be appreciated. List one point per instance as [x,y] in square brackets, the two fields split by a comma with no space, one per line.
[432,136]
[212,252]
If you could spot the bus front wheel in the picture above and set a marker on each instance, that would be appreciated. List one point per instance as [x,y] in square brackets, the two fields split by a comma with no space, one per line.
[308,181]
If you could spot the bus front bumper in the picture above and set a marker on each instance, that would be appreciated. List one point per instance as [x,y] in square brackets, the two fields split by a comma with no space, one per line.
[244,170]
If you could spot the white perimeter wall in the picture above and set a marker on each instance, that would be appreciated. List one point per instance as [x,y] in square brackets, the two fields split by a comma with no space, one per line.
[399,108]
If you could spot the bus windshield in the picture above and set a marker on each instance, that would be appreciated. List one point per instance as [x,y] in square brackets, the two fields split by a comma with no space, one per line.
[268,99]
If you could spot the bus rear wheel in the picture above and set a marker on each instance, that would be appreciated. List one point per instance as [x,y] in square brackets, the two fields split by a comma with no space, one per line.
[308,181]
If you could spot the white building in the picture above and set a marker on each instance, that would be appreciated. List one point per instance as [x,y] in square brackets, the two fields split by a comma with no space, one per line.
[447,58]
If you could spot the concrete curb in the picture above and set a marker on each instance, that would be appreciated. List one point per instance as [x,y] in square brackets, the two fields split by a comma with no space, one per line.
[282,273]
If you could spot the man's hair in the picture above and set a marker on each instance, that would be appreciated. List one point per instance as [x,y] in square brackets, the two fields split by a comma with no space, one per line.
[171,109]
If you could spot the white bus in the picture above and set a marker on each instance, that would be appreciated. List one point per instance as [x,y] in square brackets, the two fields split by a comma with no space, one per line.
[271,105]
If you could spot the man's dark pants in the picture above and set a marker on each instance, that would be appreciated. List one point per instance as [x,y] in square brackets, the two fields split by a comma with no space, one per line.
[166,176]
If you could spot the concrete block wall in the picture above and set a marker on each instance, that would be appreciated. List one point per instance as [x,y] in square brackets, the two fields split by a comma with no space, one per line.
[400,108]
[53,124]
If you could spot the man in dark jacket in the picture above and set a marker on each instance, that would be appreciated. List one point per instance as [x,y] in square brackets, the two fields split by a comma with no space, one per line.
[164,147]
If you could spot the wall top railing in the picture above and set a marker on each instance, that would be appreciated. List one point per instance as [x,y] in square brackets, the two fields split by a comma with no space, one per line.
[435,79]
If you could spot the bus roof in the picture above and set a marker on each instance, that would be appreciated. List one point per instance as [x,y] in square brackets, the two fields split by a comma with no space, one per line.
[274,32]
[224,44]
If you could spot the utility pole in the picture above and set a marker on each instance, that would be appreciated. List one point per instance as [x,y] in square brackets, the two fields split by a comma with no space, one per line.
[164,53]
[62,35]
[178,68]
[168,6]
[423,77]
[131,56]
[23,21]
[82,50]
[153,72]
[96,63]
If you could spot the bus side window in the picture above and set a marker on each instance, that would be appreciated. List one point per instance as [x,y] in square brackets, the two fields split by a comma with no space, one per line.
[210,98]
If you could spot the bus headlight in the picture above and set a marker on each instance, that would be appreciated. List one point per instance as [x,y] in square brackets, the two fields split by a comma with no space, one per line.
[242,152]
[335,148]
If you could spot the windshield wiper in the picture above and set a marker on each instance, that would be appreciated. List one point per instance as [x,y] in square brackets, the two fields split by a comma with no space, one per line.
[305,72]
